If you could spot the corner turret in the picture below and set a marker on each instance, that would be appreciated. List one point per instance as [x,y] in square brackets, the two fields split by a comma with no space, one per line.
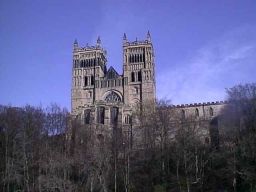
[148,37]
[75,45]
[124,39]
[98,44]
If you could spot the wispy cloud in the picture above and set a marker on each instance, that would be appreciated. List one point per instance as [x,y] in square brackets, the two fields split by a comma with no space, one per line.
[223,63]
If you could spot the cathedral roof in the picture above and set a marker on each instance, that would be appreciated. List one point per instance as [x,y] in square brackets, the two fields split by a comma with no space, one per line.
[111,73]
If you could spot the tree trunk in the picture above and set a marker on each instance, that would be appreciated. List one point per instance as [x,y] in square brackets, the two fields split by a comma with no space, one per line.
[177,173]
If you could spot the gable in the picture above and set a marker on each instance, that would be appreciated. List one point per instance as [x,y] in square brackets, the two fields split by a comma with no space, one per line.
[111,73]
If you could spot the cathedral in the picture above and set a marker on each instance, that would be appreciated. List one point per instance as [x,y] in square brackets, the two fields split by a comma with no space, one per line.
[101,96]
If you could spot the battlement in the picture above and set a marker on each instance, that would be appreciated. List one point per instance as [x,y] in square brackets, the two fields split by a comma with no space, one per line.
[98,46]
[200,104]
[89,48]
[135,43]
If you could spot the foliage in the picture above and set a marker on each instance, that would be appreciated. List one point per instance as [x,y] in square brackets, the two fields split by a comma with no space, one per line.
[47,150]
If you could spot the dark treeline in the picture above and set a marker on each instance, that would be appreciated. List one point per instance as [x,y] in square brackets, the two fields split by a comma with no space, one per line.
[45,150]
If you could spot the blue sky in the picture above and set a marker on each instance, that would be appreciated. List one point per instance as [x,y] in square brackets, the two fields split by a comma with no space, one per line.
[201,47]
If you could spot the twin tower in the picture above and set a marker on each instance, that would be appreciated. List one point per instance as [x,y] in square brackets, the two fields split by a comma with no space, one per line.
[100,95]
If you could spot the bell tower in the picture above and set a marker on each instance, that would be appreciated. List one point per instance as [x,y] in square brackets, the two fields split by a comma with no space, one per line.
[138,70]
[89,65]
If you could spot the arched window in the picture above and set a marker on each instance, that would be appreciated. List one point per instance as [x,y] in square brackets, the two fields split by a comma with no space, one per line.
[133,76]
[139,76]
[112,97]
[80,81]
[114,115]
[85,81]
[101,115]
[127,119]
[211,111]
[197,112]
[92,80]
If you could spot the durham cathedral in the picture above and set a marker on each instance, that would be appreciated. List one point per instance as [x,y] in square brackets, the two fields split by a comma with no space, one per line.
[102,97]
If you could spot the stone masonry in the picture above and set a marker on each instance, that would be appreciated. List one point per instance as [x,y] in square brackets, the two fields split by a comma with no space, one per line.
[101,96]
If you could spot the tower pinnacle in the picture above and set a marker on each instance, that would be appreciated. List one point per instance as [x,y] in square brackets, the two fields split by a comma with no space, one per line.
[98,42]
[75,45]
[148,37]
[124,38]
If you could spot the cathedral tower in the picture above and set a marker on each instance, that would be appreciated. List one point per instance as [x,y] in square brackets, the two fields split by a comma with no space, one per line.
[101,96]
[89,65]
[138,71]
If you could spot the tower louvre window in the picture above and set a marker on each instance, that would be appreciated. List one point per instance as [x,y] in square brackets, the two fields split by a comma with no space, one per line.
[139,76]
[133,77]
[92,80]
[85,81]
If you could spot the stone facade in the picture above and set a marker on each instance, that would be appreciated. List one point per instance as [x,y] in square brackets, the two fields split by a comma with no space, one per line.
[203,111]
[101,95]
